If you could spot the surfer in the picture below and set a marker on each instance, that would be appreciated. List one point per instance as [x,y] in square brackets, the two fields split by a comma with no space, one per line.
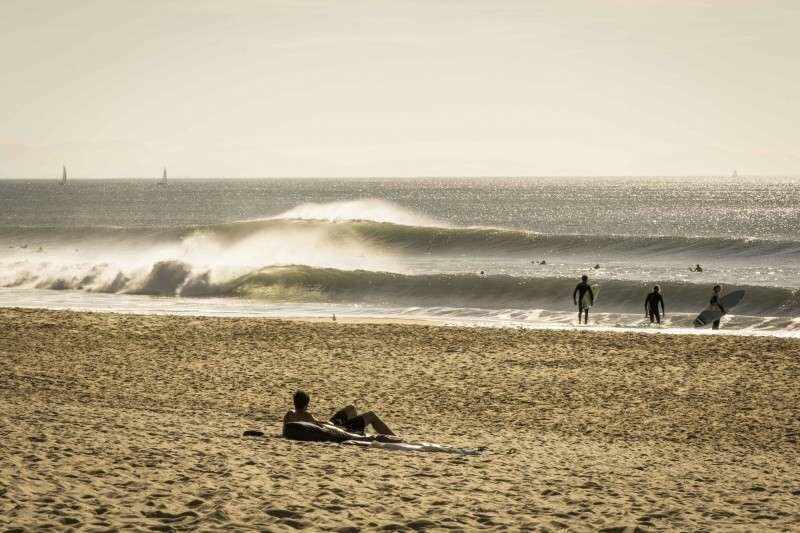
[715,302]
[696,268]
[579,298]
[651,303]
[347,418]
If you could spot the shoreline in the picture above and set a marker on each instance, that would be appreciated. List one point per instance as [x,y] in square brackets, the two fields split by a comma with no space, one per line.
[449,322]
[117,421]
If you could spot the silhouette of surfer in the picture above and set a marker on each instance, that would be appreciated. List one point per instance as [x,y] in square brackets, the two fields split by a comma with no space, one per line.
[715,302]
[651,303]
[579,297]
[696,268]
[347,418]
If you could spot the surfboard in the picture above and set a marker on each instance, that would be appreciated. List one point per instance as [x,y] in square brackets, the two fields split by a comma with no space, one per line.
[709,316]
[586,301]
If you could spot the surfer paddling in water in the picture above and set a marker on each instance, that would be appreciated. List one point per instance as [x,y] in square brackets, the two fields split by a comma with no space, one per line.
[583,297]
[651,303]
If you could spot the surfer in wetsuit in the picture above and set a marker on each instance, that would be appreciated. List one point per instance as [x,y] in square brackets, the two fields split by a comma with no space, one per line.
[580,299]
[651,303]
[347,418]
[715,302]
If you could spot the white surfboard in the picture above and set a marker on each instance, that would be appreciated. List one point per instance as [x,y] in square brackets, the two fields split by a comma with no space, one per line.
[587,302]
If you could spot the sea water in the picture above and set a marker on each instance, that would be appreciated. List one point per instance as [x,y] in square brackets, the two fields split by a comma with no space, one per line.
[500,251]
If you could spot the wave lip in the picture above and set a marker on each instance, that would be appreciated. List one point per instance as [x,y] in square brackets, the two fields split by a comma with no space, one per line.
[370,236]
[364,209]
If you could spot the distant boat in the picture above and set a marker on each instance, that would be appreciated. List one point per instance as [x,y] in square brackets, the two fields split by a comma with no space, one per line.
[163,177]
[63,175]
[735,174]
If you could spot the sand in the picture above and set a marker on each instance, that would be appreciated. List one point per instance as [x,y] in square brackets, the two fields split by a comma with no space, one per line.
[115,421]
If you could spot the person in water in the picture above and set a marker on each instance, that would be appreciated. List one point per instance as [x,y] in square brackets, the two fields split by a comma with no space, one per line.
[651,303]
[347,418]
[580,299]
[696,268]
[715,303]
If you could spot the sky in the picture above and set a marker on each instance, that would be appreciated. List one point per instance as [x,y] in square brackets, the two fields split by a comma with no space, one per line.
[243,88]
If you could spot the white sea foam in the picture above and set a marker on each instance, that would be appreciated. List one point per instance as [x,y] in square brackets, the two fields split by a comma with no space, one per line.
[363,209]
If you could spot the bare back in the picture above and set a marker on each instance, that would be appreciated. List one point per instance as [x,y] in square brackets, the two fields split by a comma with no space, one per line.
[298,416]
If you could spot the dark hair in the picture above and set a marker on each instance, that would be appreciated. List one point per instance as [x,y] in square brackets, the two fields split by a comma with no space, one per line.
[300,400]
[717,287]
[584,277]
[656,288]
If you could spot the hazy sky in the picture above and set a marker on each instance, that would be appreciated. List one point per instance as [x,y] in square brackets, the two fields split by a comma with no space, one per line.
[399,88]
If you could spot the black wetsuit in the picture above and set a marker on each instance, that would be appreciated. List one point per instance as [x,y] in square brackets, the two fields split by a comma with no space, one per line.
[651,306]
[580,291]
[715,301]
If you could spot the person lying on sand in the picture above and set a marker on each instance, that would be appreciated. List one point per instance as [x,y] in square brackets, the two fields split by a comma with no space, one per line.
[347,418]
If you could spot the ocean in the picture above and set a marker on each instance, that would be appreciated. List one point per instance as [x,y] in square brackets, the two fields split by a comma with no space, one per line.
[465,251]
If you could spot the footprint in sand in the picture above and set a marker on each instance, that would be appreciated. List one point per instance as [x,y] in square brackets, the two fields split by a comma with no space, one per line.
[283,513]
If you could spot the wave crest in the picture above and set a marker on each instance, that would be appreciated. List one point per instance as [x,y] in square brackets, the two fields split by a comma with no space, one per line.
[364,209]
[303,283]
[313,241]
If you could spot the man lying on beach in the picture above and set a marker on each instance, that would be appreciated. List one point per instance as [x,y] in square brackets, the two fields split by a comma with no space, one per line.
[347,418]
[347,427]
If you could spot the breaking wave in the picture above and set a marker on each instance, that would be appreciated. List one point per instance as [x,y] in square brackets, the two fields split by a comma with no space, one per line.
[350,252]
[300,283]
[301,235]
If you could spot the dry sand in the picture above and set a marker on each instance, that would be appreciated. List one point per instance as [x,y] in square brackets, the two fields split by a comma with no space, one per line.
[116,421]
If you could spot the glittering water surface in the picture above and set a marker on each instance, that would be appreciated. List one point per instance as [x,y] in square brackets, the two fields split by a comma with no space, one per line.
[442,247]
[766,209]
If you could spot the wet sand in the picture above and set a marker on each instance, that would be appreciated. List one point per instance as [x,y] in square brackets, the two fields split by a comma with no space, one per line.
[117,421]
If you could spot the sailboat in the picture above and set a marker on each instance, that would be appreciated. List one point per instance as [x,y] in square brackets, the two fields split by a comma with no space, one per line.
[63,175]
[163,177]
[735,174]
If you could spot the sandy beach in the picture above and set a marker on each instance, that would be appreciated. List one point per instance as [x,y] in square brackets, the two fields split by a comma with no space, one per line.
[119,421]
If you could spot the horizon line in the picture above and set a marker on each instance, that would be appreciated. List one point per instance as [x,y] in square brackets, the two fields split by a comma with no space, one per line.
[384,177]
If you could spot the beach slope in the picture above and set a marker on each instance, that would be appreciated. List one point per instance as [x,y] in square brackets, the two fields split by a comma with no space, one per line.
[115,421]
